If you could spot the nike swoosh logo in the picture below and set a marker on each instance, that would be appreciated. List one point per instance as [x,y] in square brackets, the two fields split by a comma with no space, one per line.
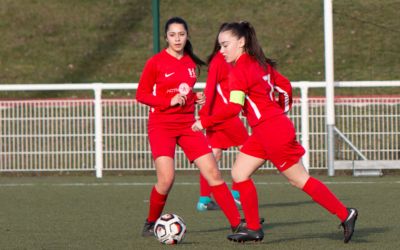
[170,74]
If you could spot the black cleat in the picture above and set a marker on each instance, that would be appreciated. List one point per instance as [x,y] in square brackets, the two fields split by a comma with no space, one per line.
[212,206]
[148,229]
[349,224]
[244,234]
[242,225]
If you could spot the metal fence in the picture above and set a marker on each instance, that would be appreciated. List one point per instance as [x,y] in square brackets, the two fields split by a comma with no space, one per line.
[62,134]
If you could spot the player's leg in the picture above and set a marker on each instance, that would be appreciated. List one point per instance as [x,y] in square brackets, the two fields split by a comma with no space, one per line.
[205,202]
[220,191]
[235,191]
[195,146]
[244,166]
[236,134]
[320,193]
[165,178]
[162,143]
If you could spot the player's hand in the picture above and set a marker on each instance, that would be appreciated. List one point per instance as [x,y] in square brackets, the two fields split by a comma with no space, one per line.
[197,126]
[178,99]
[200,98]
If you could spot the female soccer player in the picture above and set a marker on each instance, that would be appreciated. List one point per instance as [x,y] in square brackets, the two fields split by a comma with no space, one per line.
[222,136]
[166,85]
[273,135]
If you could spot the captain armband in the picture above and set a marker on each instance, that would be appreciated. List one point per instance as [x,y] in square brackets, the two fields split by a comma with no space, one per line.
[237,96]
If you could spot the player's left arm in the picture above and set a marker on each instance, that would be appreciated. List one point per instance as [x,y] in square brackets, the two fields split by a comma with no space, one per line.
[284,88]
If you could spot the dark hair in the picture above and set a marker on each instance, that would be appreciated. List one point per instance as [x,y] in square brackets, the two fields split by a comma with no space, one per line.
[251,46]
[188,46]
[217,46]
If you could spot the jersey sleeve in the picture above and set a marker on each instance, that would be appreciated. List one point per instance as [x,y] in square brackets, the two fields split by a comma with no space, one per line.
[284,89]
[233,108]
[229,111]
[144,93]
[210,89]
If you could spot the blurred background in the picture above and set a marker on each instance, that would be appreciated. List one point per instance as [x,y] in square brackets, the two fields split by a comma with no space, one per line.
[109,41]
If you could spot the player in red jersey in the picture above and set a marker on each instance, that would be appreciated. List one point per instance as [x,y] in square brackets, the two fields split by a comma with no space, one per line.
[222,136]
[273,135]
[166,85]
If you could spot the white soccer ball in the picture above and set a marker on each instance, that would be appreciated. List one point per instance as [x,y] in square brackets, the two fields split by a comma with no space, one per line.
[170,229]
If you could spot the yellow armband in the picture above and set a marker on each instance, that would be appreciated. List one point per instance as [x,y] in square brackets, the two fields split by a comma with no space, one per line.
[237,96]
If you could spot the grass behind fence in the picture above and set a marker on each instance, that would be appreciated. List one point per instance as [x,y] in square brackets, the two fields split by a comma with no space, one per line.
[86,213]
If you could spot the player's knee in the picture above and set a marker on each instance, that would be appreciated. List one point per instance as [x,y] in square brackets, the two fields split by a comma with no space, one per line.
[218,155]
[296,183]
[237,176]
[165,184]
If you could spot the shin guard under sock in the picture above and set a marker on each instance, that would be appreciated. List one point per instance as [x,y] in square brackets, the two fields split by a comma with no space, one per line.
[157,203]
[249,200]
[321,194]
[225,201]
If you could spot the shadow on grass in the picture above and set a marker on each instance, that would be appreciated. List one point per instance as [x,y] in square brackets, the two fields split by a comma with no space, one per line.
[360,235]
[264,226]
[286,204]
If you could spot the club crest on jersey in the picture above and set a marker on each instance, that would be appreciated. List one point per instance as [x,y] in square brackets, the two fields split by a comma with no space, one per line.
[192,72]
[184,88]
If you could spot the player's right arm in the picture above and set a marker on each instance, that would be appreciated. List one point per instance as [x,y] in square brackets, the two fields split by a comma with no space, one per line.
[145,93]
[210,89]
[237,85]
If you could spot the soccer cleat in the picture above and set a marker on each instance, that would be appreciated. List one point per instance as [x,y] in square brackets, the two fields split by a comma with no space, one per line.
[349,224]
[244,234]
[242,225]
[148,229]
[207,206]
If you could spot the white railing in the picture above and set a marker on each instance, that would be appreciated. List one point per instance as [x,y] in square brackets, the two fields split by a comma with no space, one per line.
[110,134]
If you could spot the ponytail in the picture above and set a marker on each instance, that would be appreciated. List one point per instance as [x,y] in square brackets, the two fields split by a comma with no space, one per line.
[252,46]
[189,50]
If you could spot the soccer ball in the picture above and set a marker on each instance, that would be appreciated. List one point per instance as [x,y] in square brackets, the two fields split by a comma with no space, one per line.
[170,229]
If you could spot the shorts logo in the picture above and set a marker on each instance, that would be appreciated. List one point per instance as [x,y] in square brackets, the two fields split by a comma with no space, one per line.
[192,72]
[184,88]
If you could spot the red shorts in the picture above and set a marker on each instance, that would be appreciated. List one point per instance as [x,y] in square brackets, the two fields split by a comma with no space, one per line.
[233,134]
[163,141]
[275,140]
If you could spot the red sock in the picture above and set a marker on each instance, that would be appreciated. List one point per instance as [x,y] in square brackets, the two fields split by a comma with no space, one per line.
[249,200]
[157,203]
[234,186]
[225,201]
[205,189]
[321,194]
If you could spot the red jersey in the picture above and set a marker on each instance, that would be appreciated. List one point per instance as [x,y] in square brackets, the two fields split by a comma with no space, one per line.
[162,78]
[259,86]
[217,89]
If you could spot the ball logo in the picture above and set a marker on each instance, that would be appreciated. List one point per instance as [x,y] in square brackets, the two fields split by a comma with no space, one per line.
[184,88]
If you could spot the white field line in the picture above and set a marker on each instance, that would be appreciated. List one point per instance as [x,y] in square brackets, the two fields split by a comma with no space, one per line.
[79,184]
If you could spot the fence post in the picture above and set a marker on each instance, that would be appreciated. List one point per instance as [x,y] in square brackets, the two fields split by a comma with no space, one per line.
[98,124]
